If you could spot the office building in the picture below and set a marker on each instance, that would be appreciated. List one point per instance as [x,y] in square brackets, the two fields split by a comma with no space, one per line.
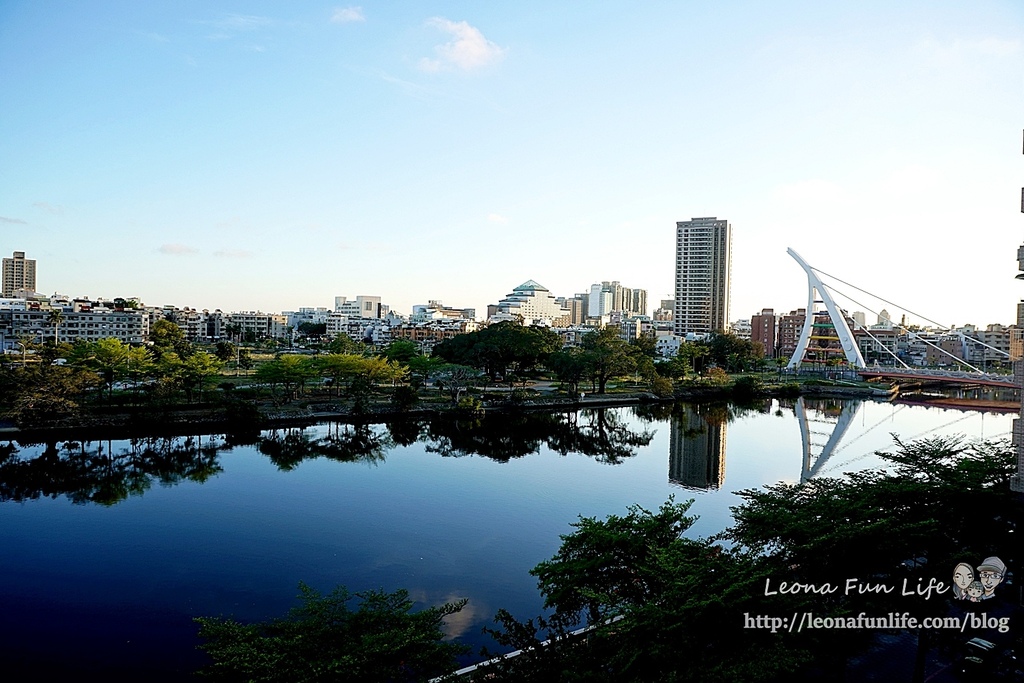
[703,269]
[19,273]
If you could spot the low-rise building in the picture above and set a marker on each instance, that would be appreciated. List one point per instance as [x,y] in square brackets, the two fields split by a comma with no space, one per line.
[256,325]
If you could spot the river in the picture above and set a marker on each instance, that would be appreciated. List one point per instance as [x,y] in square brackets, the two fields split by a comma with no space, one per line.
[111,548]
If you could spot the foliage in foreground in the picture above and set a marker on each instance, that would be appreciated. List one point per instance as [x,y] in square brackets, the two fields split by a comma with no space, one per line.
[323,639]
[664,607]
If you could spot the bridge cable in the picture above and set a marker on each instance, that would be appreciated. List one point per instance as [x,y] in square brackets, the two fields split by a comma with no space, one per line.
[891,303]
[945,328]
[908,330]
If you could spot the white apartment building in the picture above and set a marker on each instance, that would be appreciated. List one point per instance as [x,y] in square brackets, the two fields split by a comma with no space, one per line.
[435,310]
[86,323]
[316,316]
[258,325]
[361,307]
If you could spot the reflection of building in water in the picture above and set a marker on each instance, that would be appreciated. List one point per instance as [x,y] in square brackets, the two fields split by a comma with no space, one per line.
[696,454]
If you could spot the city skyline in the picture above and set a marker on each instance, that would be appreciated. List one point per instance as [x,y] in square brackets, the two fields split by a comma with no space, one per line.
[272,157]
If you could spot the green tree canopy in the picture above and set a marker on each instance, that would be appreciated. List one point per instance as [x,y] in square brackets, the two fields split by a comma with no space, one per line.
[324,639]
[506,349]
[607,355]
[167,337]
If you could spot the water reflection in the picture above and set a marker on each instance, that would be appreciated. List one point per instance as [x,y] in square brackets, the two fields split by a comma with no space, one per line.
[823,424]
[602,434]
[99,472]
[107,472]
[287,448]
[696,457]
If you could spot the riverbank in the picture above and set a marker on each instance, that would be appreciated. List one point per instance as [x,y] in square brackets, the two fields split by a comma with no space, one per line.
[240,417]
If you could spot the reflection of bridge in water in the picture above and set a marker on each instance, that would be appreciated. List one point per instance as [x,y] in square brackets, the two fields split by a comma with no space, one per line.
[697,438]
[824,424]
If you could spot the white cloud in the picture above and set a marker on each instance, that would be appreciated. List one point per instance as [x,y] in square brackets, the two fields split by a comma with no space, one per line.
[17,221]
[497,218]
[177,250]
[49,208]
[346,15]
[467,50]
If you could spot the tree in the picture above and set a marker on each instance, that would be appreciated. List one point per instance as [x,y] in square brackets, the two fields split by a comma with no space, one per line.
[345,345]
[310,329]
[291,371]
[456,379]
[938,502]
[111,359]
[44,395]
[244,359]
[233,330]
[196,373]
[732,353]
[607,355]
[401,351]
[648,594]
[421,368]
[571,366]
[506,349]
[167,337]
[225,351]
[323,639]
[690,356]
[55,318]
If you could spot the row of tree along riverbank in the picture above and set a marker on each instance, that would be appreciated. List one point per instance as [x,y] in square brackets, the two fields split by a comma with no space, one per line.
[234,412]
[107,383]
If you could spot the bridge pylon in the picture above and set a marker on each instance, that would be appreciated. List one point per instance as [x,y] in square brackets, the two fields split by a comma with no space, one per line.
[826,334]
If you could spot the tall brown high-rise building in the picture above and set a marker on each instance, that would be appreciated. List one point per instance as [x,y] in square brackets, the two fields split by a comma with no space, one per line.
[18,273]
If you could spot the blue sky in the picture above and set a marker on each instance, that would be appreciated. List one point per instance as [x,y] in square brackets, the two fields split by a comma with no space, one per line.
[273,155]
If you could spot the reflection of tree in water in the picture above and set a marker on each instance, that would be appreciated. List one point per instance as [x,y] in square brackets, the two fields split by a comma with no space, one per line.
[405,432]
[97,472]
[714,413]
[499,436]
[599,433]
[286,448]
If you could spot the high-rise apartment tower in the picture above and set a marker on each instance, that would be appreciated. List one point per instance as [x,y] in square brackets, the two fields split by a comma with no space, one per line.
[18,273]
[703,270]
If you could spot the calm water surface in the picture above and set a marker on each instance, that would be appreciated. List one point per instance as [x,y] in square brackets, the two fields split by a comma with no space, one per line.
[109,549]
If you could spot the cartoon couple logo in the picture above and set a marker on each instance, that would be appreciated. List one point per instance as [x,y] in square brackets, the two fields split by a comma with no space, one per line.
[967,587]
